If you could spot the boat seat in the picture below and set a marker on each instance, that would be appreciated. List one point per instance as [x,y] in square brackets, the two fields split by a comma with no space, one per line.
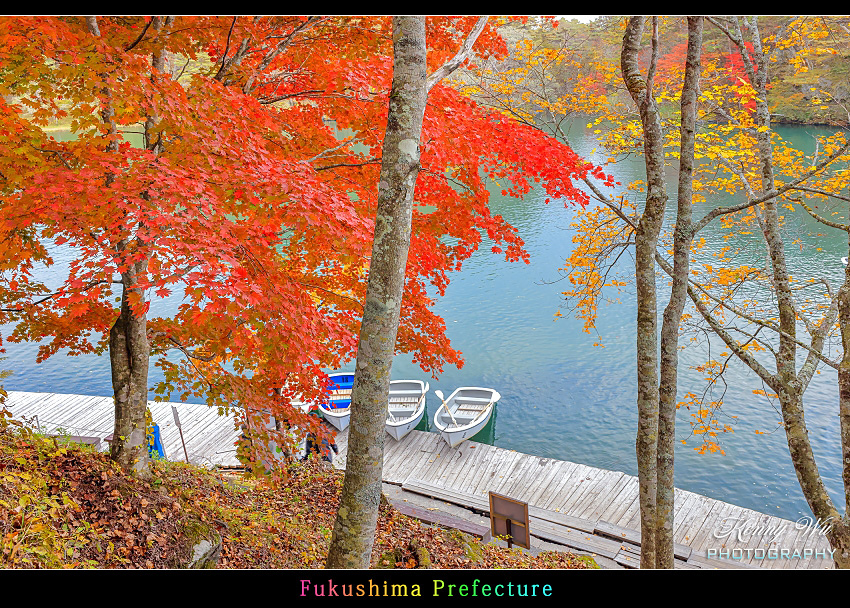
[462,419]
[401,413]
[472,407]
[402,407]
[483,400]
[395,399]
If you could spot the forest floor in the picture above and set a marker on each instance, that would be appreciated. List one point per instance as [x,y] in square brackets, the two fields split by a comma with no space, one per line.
[64,505]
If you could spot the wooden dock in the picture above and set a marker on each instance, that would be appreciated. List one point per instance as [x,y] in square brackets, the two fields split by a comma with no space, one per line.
[209,437]
[593,509]
[571,504]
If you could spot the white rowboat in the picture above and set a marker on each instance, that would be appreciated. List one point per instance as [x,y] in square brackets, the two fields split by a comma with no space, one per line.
[464,413]
[406,406]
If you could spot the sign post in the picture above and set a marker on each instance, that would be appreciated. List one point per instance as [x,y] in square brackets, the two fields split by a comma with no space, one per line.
[509,517]
[179,428]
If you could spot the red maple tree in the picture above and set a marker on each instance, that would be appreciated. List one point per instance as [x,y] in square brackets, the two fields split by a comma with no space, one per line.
[253,193]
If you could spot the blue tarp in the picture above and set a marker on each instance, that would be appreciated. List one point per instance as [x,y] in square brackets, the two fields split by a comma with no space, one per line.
[155,449]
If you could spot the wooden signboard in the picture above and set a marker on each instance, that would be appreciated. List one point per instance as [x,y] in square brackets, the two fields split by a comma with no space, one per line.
[509,517]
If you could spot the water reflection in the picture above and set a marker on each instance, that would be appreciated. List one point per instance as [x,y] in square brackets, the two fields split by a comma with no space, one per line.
[563,398]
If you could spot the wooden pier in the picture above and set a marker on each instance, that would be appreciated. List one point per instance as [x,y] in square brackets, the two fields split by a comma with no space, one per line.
[571,504]
[209,437]
[592,509]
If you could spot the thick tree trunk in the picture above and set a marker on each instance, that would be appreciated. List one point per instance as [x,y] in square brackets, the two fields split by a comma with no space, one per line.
[354,530]
[682,238]
[646,238]
[129,355]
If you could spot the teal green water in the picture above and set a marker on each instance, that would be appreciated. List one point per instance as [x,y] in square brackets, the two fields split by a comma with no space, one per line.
[561,396]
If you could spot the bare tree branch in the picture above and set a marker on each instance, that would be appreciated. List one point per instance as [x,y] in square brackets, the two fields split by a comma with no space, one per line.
[462,55]
[220,72]
[142,35]
[773,193]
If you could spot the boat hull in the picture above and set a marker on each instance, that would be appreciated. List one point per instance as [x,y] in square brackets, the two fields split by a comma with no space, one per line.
[403,395]
[338,420]
[399,430]
[458,436]
[337,410]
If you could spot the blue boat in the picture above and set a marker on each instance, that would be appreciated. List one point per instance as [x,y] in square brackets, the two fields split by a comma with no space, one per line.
[337,408]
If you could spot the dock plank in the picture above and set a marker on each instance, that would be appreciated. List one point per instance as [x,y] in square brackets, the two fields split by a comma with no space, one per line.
[487,476]
[545,478]
[435,458]
[392,449]
[620,501]
[631,512]
[505,468]
[510,471]
[485,482]
[576,539]
[761,536]
[790,540]
[478,464]
[571,483]
[686,503]
[697,519]
[409,451]
[809,542]
[633,537]
[516,484]
[593,508]
[704,538]
[602,484]
[442,519]
[428,449]
[560,481]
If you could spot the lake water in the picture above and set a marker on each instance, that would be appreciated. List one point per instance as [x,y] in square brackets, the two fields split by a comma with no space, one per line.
[562,397]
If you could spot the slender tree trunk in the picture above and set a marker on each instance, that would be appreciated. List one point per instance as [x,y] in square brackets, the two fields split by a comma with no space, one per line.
[844,382]
[802,456]
[646,238]
[153,141]
[842,546]
[788,384]
[682,237]
[354,530]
